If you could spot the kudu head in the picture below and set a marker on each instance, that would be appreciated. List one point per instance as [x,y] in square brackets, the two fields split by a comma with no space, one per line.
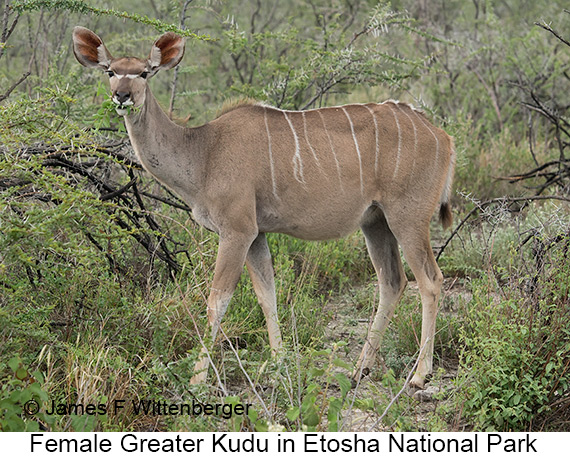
[128,76]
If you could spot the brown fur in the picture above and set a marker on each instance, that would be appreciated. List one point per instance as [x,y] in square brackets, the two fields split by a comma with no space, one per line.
[234,103]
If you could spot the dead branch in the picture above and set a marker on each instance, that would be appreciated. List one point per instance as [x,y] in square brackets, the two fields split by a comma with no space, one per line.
[547,27]
[118,192]
[495,201]
[16,84]
[534,173]
[130,212]
[167,201]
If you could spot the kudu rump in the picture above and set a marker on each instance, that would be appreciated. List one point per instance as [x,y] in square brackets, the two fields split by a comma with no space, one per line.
[316,174]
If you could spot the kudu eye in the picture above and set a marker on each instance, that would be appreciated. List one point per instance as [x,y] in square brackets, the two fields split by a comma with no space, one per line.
[144,74]
[111,73]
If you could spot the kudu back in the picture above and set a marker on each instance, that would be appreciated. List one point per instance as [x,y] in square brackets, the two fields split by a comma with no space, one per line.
[316,174]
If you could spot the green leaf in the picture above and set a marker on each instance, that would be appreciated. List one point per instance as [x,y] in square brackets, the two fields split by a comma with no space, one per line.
[38,376]
[366,404]
[231,400]
[316,372]
[312,388]
[252,414]
[311,416]
[21,373]
[344,383]
[335,407]
[261,426]
[293,414]
[14,363]
[342,364]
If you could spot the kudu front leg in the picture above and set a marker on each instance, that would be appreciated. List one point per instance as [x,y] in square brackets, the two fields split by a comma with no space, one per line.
[230,260]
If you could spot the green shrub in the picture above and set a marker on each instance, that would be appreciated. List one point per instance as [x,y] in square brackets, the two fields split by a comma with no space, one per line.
[515,365]
[22,398]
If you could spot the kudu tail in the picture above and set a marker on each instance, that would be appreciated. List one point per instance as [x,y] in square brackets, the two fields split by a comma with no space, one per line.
[445,216]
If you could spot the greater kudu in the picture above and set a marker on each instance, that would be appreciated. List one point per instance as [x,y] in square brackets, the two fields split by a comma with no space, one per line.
[316,174]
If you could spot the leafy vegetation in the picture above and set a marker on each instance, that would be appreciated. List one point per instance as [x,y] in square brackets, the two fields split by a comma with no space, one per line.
[104,275]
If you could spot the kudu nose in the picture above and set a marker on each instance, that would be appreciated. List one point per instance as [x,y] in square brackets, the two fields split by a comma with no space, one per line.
[122,97]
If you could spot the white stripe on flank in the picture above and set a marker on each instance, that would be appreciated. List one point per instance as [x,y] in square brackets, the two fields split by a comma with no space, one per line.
[357,150]
[333,151]
[271,164]
[426,124]
[377,141]
[308,142]
[399,141]
[297,160]
[415,136]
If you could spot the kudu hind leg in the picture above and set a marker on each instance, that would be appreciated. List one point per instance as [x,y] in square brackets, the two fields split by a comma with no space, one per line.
[230,260]
[417,251]
[260,270]
[384,253]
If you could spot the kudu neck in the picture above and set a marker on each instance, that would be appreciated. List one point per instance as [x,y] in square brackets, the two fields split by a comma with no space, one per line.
[150,114]
[171,153]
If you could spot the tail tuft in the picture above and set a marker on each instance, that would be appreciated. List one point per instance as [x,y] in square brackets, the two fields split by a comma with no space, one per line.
[445,216]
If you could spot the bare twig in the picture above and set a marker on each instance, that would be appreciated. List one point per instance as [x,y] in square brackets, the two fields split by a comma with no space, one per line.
[500,200]
[16,84]
[534,173]
[118,192]
[547,27]
[531,140]
[166,201]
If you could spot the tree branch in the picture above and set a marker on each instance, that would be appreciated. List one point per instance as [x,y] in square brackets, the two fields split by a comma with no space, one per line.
[118,192]
[16,84]
[500,200]
[547,27]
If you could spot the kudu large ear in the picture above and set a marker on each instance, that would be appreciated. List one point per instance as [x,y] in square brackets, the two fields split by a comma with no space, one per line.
[89,49]
[166,52]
